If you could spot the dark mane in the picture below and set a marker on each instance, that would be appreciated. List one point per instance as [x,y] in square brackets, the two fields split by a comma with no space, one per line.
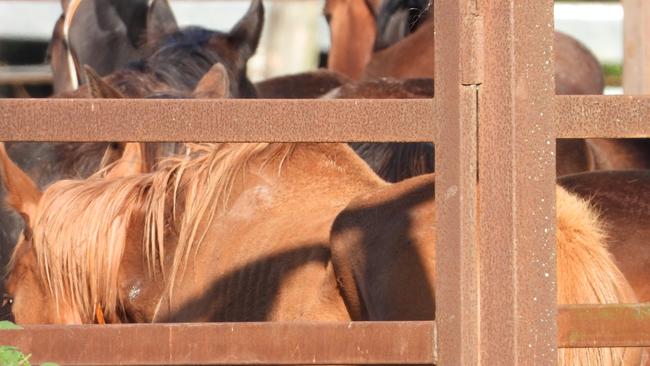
[180,59]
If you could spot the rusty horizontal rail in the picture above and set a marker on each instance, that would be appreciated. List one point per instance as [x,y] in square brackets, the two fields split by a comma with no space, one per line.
[216,120]
[285,120]
[582,326]
[579,326]
[602,116]
[231,344]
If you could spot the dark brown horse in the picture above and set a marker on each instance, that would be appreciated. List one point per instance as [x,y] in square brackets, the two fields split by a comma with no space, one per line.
[105,34]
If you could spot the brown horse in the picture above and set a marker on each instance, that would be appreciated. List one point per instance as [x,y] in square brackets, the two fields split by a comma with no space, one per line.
[383,252]
[306,85]
[176,62]
[227,210]
[404,32]
[351,18]
[394,45]
[205,209]
[49,162]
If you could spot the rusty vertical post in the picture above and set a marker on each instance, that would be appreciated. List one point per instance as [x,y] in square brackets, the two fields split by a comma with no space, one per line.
[458,76]
[636,61]
[517,185]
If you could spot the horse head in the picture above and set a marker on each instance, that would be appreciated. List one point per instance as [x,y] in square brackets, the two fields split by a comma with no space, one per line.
[26,298]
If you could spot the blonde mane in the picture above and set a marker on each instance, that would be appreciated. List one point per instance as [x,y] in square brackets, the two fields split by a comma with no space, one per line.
[80,230]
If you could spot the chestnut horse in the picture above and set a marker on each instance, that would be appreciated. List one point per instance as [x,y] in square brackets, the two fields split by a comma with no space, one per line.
[176,61]
[383,252]
[212,236]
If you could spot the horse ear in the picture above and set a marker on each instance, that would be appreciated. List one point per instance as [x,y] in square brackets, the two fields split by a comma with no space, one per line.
[98,87]
[21,192]
[246,33]
[105,34]
[160,19]
[132,161]
[63,60]
[215,84]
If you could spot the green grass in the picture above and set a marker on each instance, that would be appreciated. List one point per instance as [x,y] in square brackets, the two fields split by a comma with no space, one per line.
[11,356]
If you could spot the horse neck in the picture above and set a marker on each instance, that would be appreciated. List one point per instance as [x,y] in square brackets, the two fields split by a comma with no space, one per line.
[418,48]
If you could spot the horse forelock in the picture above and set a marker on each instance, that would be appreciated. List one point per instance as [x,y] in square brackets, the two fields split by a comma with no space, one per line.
[180,59]
[81,227]
[79,236]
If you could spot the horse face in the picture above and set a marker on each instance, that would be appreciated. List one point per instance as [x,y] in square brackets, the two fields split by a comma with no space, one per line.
[26,300]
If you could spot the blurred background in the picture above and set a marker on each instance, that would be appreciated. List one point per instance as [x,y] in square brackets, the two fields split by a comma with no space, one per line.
[295,37]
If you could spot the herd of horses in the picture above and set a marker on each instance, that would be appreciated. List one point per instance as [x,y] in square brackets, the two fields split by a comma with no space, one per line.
[150,232]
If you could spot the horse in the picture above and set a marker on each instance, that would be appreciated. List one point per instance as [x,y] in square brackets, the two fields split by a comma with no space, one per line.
[176,61]
[350,19]
[56,161]
[305,85]
[204,208]
[406,28]
[383,251]
[403,30]
[212,236]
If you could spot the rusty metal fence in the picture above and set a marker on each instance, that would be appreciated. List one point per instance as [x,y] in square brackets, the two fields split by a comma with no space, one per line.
[494,119]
